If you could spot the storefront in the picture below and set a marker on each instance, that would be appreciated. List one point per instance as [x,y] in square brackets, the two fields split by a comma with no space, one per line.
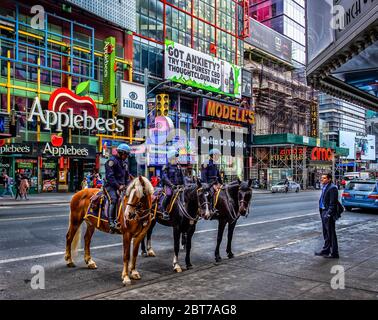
[20,158]
[225,127]
[296,158]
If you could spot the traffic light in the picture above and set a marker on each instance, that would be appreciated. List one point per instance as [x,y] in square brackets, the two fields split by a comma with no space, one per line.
[162,104]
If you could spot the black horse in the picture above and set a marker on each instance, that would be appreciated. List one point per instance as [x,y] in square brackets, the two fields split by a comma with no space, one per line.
[190,203]
[232,202]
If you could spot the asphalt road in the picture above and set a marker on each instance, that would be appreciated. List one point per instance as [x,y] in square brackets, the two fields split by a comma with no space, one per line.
[31,236]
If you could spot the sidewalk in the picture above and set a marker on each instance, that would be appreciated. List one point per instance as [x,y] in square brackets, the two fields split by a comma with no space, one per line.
[37,199]
[289,271]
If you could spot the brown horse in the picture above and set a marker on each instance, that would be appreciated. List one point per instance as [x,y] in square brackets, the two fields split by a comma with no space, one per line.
[134,215]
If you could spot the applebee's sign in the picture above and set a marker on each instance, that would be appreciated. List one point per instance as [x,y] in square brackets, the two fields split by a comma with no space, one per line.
[68,110]
[69,150]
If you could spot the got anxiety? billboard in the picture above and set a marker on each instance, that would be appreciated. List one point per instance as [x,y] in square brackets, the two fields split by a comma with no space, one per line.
[193,68]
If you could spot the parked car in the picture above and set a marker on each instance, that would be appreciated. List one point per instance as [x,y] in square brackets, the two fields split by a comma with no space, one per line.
[360,194]
[281,187]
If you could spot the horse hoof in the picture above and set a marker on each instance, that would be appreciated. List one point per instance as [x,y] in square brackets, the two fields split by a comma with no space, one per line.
[151,253]
[71,265]
[218,259]
[126,281]
[135,275]
[144,254]
[189,266]
[230,255]
[177,269]
[92,266]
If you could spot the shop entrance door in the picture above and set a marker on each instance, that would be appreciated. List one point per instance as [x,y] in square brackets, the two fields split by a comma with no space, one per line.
[79,168]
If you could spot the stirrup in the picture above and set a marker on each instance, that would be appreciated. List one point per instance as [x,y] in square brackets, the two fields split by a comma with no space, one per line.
[166,216]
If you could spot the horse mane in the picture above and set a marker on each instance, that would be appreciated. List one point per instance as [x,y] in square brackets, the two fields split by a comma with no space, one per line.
[136,184]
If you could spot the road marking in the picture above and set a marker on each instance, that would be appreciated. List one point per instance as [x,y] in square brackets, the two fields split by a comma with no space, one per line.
[262,222]
[120,244]
[32,218]
[51,254]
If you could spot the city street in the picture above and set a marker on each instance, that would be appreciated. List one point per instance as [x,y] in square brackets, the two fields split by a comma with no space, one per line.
[274,256]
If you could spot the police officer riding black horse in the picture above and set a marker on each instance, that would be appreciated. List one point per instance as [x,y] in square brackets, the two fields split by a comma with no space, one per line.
[117,179]
[172,177]
[211,175]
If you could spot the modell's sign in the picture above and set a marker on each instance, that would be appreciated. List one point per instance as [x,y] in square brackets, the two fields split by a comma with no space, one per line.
[68,110]
[227,113]
[68,150]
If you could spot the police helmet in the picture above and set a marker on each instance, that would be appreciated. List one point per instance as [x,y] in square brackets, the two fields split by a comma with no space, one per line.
[172,154]
[123,148]
[214,151]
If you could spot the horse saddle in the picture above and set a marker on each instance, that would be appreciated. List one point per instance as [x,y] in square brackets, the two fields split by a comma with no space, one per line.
[99,205]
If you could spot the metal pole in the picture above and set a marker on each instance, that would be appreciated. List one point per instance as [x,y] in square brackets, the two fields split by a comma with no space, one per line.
[146,74]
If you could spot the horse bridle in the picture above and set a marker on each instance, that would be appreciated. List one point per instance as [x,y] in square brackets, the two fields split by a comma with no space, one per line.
[206,202]
[246,203]
[137,211]
[184,212]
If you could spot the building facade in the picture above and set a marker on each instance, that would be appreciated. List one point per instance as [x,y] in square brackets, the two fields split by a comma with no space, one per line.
[286,17]
[340,115]
[83,50]
[212,29]
[54,53]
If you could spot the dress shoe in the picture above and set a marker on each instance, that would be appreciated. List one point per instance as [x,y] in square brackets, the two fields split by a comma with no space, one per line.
[321,253]
[333,256]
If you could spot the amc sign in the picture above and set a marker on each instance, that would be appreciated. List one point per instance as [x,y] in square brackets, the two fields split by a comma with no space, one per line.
[322,154]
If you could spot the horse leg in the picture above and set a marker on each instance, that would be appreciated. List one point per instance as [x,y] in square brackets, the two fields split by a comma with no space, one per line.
[150,251]
[189,246]
[176,239]
[126,258]
[221,226]
[72,230]
[231,228]
[184,236]
[143,247]
[134,273]
[87,251]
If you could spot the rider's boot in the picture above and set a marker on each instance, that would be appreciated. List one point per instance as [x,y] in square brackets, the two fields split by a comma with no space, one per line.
[112,220]
[166,215]
[213,209]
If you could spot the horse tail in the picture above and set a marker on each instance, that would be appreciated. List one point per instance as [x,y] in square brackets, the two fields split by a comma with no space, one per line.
[76,220]
[76,243]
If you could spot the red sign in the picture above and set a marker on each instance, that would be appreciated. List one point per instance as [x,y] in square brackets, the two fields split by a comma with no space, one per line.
[322,154]
[63,99]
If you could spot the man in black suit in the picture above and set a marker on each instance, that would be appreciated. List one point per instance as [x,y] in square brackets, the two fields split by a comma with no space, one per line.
[328,214]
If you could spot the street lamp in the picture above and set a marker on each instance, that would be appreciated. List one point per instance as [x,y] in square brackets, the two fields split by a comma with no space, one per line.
[146,74]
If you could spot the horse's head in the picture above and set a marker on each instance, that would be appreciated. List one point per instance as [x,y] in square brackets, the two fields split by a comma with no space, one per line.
[244,197]
[139,197]
[204,209]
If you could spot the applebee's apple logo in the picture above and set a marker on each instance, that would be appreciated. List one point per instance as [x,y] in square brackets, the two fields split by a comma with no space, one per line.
[56,140]
[63,99]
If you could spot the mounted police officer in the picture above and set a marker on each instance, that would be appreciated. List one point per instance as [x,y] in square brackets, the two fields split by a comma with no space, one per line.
[212,176]
[117,178]
[172,177]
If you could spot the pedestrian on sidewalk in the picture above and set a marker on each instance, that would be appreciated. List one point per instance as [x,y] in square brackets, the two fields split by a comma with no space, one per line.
[84,184]
[328,206]
[8,185]
[24,187]
[18,183]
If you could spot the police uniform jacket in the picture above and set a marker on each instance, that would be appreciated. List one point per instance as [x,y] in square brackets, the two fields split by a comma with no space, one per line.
[117,173]
[172,174]
[212,173]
